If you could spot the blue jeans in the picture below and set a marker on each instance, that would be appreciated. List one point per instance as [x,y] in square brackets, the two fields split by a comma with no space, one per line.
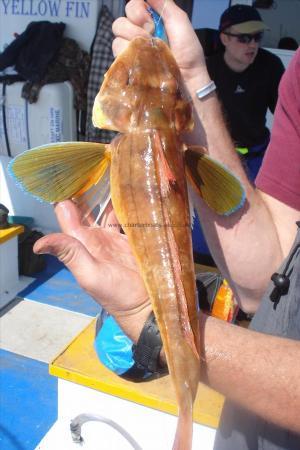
[253,159]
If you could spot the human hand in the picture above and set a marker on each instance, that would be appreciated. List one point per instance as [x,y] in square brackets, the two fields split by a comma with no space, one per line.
[183,41]
[101,261]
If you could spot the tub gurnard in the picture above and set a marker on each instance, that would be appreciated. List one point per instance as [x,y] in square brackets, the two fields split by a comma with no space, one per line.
[143,98]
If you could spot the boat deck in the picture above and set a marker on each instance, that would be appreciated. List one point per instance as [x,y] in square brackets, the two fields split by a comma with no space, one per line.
[34,328]
[41,327]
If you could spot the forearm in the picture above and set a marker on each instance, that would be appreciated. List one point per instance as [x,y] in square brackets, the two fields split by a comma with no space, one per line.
[245,246]
[259,372]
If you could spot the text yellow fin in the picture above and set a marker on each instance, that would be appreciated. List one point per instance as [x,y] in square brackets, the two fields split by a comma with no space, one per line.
[218,187]
[59,171]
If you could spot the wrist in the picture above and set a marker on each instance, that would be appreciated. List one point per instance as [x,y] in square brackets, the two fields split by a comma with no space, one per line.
[197,81]
[132,323]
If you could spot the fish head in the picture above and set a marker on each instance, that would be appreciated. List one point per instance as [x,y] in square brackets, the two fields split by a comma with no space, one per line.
[143,89]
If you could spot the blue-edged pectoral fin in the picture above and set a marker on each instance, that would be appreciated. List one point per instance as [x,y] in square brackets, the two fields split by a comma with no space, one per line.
[60,171]
[217,186]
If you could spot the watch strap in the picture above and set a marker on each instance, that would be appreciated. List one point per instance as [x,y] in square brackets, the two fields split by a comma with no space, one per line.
[146,351]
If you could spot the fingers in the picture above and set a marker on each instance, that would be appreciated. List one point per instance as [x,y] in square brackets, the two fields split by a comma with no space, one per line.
[176,21]
[137,13]
[172,15]
[136,10]
[51,244]
[119,45]
[125,31]
[139,23]
[68,216]
[70,252]
[138,20]
[125,28]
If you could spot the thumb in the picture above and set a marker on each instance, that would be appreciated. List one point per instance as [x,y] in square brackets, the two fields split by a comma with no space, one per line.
[68,250]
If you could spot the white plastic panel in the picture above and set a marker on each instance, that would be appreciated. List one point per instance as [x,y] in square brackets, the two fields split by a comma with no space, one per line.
[51,119]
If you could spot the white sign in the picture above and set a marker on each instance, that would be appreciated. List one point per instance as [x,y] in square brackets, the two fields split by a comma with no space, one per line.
[16,124]
[80,17]
[42,8]
[16,128]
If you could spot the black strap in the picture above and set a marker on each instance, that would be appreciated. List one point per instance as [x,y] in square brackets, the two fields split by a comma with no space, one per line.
[146,351]
[282,280]
[146,354]
[4,118]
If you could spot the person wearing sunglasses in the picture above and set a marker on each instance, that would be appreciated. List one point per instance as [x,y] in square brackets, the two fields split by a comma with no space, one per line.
[247,79]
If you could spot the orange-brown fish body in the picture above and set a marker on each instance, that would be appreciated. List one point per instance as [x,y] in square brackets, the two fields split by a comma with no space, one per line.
[142,96]
[149,195]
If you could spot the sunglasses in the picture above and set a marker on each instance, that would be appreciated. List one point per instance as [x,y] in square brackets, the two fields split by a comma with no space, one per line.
[245,38]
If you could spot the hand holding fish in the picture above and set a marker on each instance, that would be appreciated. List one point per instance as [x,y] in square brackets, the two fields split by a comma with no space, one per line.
[101,260]
[184,44]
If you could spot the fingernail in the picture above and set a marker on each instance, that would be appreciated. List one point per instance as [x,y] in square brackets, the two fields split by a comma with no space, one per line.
[40,251]
[148,26]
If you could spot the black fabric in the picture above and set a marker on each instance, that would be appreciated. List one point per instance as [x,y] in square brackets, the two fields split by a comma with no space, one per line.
[246,96]
[208,284]
[147,350]
[186,5]
[204,259]
[4,124]
[146,353]
[263,4]
[239,429]
[70,63]
[32,51]
[41,55]
[4,217]
[10,78]
[237,14]
[29,262]
[138,374]
[210,40]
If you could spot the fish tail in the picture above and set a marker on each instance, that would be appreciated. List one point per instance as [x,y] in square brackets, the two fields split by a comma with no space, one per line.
[184,432]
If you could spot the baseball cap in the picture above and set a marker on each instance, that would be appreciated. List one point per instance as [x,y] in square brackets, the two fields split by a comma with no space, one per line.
[244,18]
